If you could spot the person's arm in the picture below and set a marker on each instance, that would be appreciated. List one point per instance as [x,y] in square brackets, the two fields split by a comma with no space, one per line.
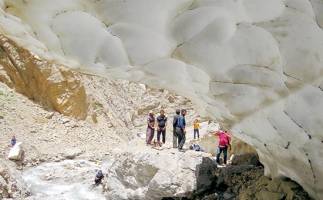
[216,133]
[150,124]
[229,140]
[175,121]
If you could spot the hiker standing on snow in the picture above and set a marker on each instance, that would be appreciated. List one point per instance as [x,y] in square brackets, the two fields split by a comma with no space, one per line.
[161,129]
[175,136]
[150,128]
[224,143]
[180,129]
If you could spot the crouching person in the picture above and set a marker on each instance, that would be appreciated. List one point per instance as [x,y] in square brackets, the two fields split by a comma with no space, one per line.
[98,178]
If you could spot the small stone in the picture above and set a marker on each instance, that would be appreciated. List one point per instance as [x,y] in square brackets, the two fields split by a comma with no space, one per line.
[65,120]
[49,115]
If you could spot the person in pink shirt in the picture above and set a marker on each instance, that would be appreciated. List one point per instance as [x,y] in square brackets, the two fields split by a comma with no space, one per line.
[224,144]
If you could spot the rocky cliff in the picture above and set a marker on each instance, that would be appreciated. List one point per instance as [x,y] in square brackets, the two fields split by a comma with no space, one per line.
[54,86]
[254,65]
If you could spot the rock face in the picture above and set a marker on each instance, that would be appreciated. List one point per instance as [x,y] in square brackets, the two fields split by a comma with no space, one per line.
[245,182]
[54,86]
[153,174]
[256,66]
[11,183]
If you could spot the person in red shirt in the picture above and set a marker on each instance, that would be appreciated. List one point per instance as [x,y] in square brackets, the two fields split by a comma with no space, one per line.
[224,144]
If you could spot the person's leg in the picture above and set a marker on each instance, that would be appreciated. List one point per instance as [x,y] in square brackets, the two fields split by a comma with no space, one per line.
[147,135]
[225,154]
[183,140]
[194,134]
[180,138]
[158,135]
[164,136]
[198,133]
[152,134]
[219,150]
[174,139]
[218,153]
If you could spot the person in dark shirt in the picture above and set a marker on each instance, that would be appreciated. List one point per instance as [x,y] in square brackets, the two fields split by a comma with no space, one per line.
[175,136]
[161,129]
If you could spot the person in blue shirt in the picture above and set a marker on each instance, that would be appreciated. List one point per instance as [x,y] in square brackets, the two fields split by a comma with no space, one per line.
[180,129]
[175,136]
[13,141]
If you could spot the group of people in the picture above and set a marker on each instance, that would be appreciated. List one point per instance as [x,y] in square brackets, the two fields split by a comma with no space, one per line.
[160,123]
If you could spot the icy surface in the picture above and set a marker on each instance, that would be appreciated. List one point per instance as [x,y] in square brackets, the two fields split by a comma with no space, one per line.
[255,65]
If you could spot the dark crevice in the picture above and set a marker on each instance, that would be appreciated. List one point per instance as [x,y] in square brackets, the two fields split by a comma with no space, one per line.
[299,125]
[288,75]
[287,146]
[311,166]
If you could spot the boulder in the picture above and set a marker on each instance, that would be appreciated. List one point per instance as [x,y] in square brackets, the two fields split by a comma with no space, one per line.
[16,152]
[154,174]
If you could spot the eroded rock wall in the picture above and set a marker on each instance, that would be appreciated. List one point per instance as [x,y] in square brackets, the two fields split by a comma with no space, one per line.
[52,85]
